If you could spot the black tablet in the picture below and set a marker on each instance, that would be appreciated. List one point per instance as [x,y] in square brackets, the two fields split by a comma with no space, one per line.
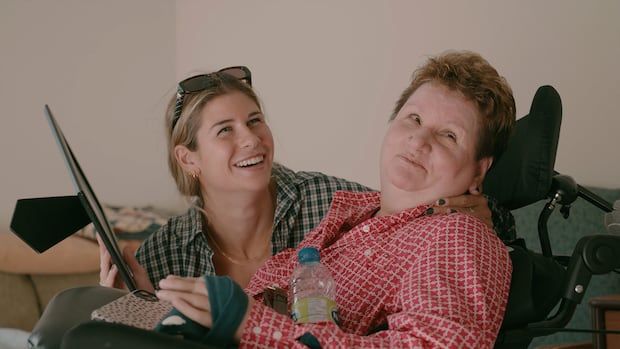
[90,203]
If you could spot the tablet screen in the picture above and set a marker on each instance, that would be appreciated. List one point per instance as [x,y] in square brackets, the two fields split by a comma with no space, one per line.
[91,204]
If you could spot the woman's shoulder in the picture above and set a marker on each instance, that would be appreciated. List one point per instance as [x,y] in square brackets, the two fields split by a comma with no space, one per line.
[313,180]
[176,228]
[456,227]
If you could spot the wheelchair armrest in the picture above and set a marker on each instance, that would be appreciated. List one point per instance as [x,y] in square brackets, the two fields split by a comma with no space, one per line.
[66,310]
[535,287]
[593,255]
[104,335]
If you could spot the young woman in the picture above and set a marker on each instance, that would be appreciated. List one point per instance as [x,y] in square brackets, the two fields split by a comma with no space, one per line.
[246,208]
[432,281]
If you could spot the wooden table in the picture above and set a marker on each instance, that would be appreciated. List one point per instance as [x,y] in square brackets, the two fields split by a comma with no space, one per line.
[606,315]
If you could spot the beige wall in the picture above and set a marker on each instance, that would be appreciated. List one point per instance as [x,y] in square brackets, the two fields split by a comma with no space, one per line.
[105,68]
[330,71]
[327,71]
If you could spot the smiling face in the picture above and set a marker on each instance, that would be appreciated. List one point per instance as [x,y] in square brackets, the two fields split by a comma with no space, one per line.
[234,146]
[429,150]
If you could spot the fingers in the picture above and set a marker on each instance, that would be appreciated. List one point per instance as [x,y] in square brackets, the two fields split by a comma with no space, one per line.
[483,215]
[462,201]
[195,300]
[184,284]
[189,296]
[194,306]
[108,272]
[104,264]
[140,275]
[474,205]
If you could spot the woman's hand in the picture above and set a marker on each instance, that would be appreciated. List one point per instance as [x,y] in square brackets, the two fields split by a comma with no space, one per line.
[471,204]
[190,296]
[108,272]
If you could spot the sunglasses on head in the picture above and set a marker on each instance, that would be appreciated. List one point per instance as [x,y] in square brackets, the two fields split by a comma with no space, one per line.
[201,82]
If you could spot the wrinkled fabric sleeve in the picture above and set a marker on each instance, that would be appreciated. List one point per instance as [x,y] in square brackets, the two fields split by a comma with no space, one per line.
[154,255]
[503,220]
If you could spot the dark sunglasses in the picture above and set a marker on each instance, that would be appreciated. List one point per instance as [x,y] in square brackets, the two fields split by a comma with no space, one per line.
[201,82]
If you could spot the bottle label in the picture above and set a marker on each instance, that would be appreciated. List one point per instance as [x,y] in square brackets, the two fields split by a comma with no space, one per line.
[314,309]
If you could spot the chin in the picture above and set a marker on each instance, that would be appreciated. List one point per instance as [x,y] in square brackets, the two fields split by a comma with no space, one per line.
[404,182]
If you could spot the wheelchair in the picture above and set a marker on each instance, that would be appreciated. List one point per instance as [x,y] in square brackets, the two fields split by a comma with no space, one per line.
[540,282]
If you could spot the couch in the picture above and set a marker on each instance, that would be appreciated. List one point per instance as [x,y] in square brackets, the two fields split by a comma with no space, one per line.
[28,280]
[24,296]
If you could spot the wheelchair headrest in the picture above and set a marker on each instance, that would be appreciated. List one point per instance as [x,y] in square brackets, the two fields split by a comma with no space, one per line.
[522,175]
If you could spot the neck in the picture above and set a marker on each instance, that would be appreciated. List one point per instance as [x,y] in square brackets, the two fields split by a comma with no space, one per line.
[240,224]
[394,202]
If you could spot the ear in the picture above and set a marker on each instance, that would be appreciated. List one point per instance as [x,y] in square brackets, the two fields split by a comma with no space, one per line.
[483,166]
[186,158]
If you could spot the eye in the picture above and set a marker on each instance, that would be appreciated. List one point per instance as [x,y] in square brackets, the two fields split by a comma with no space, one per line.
[450,135]
[413,117]
[254,121]
[224,130]
[417,119]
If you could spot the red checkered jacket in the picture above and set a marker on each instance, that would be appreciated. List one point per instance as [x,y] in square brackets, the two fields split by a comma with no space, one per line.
[437,281]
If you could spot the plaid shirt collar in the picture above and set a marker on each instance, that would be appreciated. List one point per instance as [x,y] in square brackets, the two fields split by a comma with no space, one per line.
[195,225]
[286,196]
[286,191]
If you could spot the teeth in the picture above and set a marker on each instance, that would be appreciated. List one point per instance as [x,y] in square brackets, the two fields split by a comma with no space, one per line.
[252,161]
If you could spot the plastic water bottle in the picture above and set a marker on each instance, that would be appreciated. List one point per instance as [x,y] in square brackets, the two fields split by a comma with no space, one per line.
[312,290]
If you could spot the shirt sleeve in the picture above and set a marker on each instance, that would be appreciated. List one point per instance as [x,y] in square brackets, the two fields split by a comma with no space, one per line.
[453,295]
[154,255]
[503,220]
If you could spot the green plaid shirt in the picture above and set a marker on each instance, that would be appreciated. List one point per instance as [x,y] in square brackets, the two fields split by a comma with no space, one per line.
[180,247]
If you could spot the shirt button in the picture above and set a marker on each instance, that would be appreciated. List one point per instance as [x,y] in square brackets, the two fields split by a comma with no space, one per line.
[368,252]
[277,335]
[366,228]
[256,330]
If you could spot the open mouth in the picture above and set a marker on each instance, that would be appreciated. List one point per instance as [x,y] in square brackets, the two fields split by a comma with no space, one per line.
[253,161]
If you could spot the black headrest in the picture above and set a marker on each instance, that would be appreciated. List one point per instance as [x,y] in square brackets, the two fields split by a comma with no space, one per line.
[522,175]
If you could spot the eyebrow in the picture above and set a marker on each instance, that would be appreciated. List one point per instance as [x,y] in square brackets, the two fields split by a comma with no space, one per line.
[221,122]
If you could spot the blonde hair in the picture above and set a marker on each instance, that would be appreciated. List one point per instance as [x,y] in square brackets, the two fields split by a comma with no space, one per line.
[470,74]
[184,131]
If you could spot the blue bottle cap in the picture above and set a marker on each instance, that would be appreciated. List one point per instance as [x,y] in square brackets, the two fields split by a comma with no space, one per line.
[308,255]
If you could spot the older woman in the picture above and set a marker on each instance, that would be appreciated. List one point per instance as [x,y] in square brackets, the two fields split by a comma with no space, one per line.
[435,281]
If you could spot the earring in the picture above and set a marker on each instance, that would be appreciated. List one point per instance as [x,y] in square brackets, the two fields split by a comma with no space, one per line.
[193,174]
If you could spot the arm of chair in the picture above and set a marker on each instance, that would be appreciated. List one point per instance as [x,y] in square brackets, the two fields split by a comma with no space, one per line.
[104,335]
[66,310]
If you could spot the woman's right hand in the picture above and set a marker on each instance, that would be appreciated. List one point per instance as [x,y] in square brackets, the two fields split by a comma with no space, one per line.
[109,275]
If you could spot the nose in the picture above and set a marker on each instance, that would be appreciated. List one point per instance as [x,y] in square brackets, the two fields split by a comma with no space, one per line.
[248,139]
[420,141]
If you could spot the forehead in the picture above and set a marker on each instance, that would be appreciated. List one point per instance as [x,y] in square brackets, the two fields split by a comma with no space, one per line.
[434,101]
[229,105]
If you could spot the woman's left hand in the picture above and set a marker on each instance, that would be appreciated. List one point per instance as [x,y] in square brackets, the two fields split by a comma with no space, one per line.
[471,204]
[190,296]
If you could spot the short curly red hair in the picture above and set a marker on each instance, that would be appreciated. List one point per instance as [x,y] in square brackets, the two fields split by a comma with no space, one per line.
[470,74]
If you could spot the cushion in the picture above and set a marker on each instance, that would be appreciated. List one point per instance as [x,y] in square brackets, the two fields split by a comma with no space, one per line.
[19,302]
[129,223]
[79,252]
[72,255]
[522,175]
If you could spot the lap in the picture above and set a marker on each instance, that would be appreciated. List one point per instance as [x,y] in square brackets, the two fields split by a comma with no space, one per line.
[68,309]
